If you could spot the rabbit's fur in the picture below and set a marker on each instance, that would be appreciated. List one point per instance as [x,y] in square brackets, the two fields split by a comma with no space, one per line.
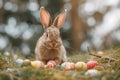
[49,45]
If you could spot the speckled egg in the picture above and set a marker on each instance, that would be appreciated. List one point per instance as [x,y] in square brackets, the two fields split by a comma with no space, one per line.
[51,64]
[91,64]
[72,65]
[64,64]
[52,61]
[37,64]
[69,66]
[81,66]
[92,72]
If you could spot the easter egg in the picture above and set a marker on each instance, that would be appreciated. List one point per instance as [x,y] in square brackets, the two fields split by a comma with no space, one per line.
[37,64]
[80,66]
[50,65]
[64,64]
[92,72]
[6,53]
[72,65]
[69,66]
[52,61]
[100,53]
[19,62]
[26,62]
[91,64]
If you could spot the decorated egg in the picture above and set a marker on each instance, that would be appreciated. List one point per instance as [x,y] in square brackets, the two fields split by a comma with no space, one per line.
[37,64]
[19,62]
[64,64]
[51,64]
[100,53]
[6,53]
[80,66]
[92,72]
[69,66]
[26,62]
[52,61]
[72,65]
[91,64]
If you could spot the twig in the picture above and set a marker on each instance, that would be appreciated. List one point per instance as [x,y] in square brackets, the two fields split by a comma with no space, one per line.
[109,58]
[93,54]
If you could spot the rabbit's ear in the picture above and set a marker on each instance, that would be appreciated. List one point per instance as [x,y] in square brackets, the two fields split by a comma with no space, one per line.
[44,17]
[59,20]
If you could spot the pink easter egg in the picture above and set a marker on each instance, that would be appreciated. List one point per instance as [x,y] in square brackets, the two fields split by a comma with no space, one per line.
[70,66]
[91,64]
[51,64]
[67,68]
[52,61]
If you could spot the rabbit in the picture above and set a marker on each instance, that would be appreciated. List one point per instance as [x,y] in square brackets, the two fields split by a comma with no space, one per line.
[49,46]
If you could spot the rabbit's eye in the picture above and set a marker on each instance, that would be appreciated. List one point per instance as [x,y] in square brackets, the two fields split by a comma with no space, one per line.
[47,35]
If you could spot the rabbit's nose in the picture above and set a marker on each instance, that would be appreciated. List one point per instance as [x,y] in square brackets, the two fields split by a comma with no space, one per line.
[52,45]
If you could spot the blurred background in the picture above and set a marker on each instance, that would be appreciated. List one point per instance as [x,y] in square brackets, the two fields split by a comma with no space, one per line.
[92,23]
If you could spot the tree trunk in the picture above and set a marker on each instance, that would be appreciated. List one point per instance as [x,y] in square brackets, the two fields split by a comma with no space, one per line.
[78,28]
[1,16]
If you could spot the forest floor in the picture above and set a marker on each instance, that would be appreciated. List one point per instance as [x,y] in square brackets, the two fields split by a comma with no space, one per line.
[107,69]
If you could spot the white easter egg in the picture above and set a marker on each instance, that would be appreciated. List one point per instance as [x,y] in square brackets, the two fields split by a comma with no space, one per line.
[19,62]
[64,64]
[92,72]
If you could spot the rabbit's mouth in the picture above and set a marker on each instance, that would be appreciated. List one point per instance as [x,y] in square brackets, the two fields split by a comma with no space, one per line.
[52,45]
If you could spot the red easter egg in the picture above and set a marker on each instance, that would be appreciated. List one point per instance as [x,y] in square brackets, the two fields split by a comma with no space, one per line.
[91,64]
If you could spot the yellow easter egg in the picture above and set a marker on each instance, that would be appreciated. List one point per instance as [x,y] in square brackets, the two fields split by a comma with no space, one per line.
[81,66]
[33,64]
[37,64]
[100,53]
[26,62]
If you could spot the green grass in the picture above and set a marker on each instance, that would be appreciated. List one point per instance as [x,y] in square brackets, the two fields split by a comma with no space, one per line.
[109,70]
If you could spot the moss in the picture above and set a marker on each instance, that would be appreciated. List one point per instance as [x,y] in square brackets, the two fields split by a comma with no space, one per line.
[3,62]
[109,70]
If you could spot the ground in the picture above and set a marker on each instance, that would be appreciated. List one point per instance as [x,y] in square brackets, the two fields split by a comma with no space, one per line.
[109,67]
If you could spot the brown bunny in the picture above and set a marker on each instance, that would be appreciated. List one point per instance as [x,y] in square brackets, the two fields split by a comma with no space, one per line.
[49,45]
